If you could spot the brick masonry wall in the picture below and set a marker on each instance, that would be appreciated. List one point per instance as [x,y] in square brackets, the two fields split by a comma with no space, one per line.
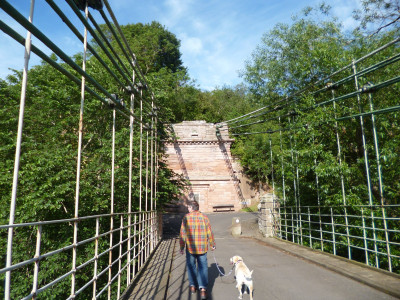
[205,160]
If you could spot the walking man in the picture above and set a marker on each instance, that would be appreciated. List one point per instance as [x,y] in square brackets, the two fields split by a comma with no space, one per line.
[196,235]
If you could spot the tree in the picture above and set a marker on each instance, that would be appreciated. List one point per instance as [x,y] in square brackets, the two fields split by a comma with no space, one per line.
[153,45]
[292,56]
[47,178]
[380,14]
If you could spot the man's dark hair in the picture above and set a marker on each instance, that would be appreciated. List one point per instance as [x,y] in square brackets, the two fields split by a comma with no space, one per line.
[194,205]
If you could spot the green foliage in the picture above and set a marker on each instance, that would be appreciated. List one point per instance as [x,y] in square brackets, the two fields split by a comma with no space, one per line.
[380,14]
[299,148]
[47,176]
[215,106]
[154,46]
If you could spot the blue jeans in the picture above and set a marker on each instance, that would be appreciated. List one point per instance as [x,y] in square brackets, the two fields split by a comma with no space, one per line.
[198,276]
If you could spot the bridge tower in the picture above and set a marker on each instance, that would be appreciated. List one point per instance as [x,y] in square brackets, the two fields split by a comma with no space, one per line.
[205,160]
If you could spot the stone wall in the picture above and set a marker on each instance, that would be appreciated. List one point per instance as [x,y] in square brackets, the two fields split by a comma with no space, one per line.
[205,160]
[268,217]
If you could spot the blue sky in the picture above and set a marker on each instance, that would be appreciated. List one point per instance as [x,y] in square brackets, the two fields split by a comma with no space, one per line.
[217,37]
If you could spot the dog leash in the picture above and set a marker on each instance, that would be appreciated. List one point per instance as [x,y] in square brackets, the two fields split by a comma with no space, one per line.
[220,272]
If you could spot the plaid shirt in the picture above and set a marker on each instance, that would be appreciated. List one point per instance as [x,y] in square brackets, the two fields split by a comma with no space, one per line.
[196,233]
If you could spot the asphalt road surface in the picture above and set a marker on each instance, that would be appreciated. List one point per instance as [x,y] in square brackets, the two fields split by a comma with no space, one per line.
[276,274]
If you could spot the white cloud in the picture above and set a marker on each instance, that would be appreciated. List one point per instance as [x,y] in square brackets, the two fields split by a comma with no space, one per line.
[192,45]
[177,7]
[343,9]
[216,36]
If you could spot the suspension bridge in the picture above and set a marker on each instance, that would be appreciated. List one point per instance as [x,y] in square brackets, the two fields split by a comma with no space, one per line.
[331,142]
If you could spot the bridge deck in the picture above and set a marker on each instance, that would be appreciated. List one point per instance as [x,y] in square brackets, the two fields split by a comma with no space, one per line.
[281,270]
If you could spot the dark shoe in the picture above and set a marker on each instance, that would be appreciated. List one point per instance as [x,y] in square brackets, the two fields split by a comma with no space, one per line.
[193,289]
[203,294]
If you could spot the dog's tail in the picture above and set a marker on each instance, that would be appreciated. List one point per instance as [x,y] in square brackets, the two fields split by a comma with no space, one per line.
[248,274]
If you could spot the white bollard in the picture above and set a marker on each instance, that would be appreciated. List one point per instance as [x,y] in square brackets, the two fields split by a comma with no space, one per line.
[236,227]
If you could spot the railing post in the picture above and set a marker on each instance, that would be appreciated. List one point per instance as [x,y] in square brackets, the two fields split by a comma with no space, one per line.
[333,232]
[387,239]
[37,255]
[111,205]
[141,149]
[295,188]
[134,248]
[96,253]
[318,198]
[78,167]
[146,189]
[366,161]
[365,237]
[7,287]
[121,228]
[131,121]
[283,179]
[291,212]
[266,219]
[152,155]
[156,167]
[309,227]
[339,155]
[379,169]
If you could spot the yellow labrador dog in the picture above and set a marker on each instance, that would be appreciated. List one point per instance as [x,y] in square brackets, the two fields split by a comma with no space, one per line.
[243,276]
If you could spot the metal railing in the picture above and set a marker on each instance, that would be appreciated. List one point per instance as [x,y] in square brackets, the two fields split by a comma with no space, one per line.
[363,234]
[86,256]
[332,151]
[110,264]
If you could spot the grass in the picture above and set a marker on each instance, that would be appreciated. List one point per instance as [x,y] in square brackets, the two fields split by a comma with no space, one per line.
[251,208]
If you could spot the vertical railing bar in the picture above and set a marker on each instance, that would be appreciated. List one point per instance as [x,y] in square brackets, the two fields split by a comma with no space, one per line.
[283,178]
[379,169]
[294,186]
[151,171]
[37,254]
[120,255]
[142,238]
[147,171]
[342,178]
[318,197]
[111,204]
[156,166]
[148,234]
[387,239]
[291,212]
[365,237]
[152,155]
[141,150]
[297,187]
[134,248]
[366,161]
[333,232]
[7,287]
[339,155]
[140,256]
[96,253]
[151,231]
[309,227]
[78,167]
[131,122]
